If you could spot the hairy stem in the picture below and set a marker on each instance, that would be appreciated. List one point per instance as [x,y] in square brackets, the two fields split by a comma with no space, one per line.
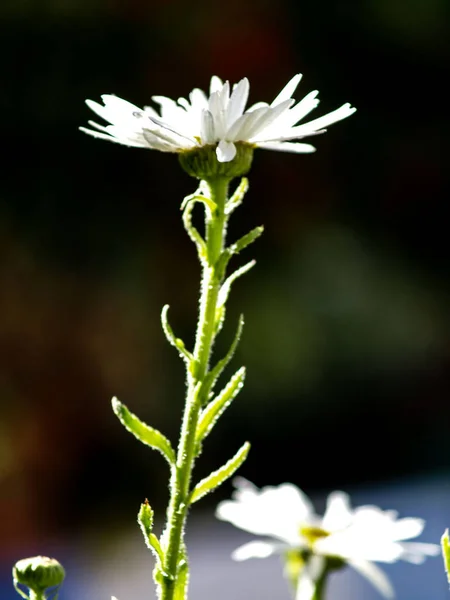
[215,227]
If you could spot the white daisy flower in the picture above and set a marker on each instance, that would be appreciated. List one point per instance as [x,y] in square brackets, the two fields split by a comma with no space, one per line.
[218,120]
[357,536]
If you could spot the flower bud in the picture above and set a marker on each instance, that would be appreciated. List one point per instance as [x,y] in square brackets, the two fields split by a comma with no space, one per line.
[38,573]
[202,162]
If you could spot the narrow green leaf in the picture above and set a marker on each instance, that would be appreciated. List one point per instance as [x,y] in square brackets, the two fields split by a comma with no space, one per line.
[155,546]
[445,545]
[216,478]
[144,433]
[216,371]
[246,240]
[172,339]
[217,407]
[145,520]
[193,232]
[225,292]
[238,196]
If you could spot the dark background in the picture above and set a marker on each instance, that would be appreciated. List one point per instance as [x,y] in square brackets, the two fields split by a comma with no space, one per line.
[346,339]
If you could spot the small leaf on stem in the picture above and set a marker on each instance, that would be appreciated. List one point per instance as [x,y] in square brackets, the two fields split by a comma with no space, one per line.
[172,339]
[217,407]
[144,433]
[216,371]
[216,478]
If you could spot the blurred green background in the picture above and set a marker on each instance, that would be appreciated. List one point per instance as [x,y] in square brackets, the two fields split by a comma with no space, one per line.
[347,332]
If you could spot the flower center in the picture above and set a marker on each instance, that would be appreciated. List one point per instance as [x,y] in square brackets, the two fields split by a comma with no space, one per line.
[312,534]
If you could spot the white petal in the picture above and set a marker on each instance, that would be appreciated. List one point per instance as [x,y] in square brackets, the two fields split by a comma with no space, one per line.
[257,550]
[257,105]
[159,143]
[333,117]
[241,128]
[151,112]
[198,99]
[207,131]
[404,529]
[297,148]
[184,103]
[113,112]
[267,119]
[375,575]
[304,107]
[274,511]
[118,104]
[171,134]
[172,114]
[338,514]
[355,543]
[238,100]
[215,85]
[217,110]
[288,90]
[416,552]
[104,136]
[225,151]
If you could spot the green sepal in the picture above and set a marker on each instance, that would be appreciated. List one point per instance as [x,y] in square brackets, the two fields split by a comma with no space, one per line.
[238,196]
[225,292]
[216,478]
[216,371]
[42,575]
[216,407]
[172,339]
[144,433]
[445,546]
[202,163]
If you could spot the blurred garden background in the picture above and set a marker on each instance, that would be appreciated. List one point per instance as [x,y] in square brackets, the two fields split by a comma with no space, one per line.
[346,339]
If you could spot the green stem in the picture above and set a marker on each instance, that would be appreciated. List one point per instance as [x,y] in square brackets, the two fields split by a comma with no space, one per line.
[319,592]
[181,475]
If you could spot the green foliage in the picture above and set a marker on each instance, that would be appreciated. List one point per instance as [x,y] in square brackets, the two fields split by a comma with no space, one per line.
[238,196]
[216,371]
[237,247]
[211,413]
[216,478]
[144,433]
[225,291]
[191,230]
[145,519]
[171,337]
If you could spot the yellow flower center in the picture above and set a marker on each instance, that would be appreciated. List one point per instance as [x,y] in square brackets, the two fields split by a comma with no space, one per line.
[312,534]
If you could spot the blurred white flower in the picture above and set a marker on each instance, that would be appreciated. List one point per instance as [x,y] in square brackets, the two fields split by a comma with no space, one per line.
[358,536]
[219,119]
